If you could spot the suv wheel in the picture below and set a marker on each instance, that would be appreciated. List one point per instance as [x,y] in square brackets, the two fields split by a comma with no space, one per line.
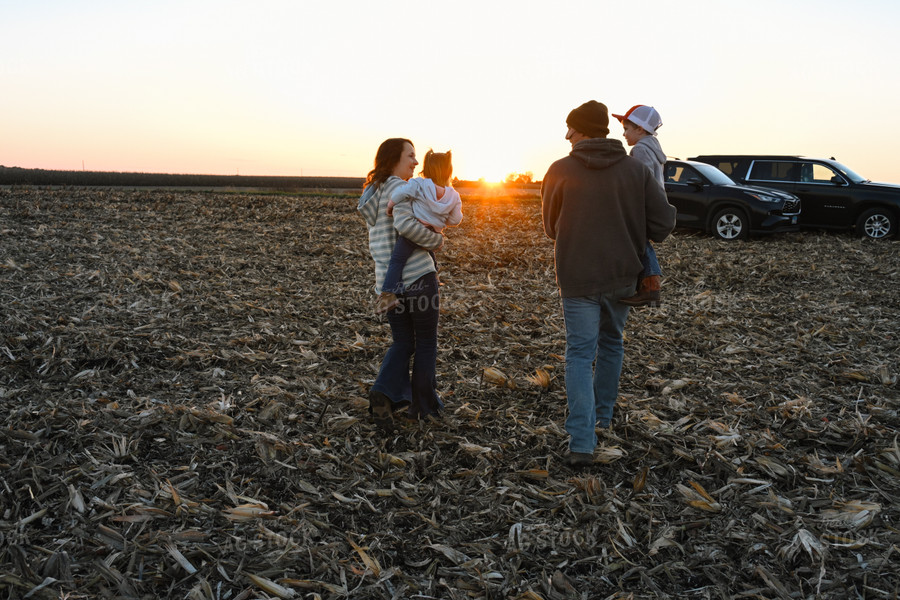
[876,223]
[730,224]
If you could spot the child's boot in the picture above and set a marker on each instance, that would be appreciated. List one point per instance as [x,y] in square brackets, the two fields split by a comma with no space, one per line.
[648,293]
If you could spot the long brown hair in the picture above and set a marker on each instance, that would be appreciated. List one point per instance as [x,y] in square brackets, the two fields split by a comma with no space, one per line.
[387,157]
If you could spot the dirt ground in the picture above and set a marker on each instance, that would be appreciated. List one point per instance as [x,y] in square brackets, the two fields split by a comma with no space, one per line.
[183,382]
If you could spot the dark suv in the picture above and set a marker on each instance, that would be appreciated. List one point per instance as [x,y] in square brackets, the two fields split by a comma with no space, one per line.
[707,199]
[833,196]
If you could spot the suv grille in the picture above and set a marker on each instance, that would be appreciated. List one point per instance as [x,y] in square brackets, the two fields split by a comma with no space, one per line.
[791,206]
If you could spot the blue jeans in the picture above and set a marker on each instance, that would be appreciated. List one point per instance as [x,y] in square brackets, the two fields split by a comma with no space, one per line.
[649,262]
[594,355]
[414,326]
[403,249]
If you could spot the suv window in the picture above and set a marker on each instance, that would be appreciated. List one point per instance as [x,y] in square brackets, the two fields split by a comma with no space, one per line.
[816,173]
[771,170]
[680,174]
[728,167]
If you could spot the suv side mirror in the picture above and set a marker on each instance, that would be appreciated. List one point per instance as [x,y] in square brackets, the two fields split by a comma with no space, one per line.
[695,182]
[838,180]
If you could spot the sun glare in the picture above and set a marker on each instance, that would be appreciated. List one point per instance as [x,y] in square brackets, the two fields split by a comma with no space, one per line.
[491,179]
[484,169]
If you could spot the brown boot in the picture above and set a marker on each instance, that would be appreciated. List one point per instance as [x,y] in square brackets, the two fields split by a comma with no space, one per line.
[647,293]
[380,407]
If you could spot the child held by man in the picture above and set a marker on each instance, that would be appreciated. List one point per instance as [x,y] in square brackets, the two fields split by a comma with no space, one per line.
[435,204]
[640,124]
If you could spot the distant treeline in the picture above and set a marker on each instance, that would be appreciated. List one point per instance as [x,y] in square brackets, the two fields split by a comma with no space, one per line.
[43,177]
[39,177]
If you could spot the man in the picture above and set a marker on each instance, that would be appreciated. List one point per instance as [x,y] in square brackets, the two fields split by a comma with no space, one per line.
[600,206]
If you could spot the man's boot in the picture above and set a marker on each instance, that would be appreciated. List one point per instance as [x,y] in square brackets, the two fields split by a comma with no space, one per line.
[647,293]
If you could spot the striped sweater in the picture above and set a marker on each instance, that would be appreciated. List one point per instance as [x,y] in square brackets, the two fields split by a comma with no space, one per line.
[383,232]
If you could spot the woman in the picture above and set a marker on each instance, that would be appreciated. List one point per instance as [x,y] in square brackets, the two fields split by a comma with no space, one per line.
[414,321]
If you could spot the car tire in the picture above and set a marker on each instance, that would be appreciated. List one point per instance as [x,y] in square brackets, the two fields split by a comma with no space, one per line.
[730,224]
[877,224]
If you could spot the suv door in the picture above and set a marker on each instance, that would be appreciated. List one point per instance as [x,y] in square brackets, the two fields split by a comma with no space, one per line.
[825,194]
[687,192]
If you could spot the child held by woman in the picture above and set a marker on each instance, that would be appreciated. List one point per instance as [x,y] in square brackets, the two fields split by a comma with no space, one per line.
[435,204]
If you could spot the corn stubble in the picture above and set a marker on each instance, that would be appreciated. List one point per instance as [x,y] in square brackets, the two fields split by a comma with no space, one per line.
[183,383]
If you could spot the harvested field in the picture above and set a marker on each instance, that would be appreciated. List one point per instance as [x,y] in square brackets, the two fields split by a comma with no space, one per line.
[183,380]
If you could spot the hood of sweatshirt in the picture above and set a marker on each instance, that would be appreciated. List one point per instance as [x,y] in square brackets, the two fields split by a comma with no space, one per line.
[652,144]
[419,188]
[598,153]
[367,207]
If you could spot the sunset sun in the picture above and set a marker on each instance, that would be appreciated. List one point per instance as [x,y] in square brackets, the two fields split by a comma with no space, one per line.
[491,173]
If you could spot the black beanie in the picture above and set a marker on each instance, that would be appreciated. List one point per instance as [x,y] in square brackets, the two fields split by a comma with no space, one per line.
[590,119]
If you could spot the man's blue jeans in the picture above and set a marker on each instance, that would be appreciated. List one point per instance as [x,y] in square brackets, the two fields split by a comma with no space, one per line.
[594,355]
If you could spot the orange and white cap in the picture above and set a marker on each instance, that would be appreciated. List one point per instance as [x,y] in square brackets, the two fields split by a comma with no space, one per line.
[643,116]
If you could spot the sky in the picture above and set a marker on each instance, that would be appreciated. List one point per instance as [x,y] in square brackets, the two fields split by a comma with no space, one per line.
[311,88]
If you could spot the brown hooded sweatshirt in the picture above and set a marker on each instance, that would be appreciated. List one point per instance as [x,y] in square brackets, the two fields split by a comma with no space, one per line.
[601,206]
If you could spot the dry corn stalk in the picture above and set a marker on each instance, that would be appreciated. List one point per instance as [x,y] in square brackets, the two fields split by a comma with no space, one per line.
[497,377]
[853,514]
[541,378]
[248,512]
[698,497]
[371,563]
[270,587]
